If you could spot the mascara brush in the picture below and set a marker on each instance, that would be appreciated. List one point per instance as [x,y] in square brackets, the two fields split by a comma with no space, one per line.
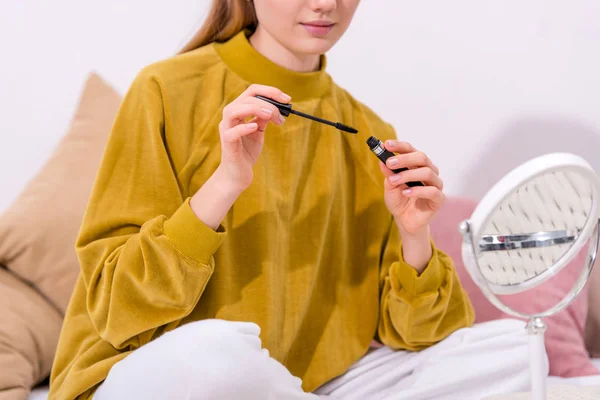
[286,110]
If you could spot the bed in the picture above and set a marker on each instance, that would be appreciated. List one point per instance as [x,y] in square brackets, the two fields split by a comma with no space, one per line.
[41,393]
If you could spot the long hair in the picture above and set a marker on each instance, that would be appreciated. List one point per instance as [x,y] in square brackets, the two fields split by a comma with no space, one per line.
[225,19]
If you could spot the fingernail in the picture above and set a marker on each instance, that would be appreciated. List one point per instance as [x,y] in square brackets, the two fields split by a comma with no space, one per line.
[251,126]
[407,191]
[392,161]
[281,119]
[396,178]
[391,143]
[286,97]
[267,111]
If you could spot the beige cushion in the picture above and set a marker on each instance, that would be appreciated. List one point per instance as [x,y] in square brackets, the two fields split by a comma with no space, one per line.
[38,231]
[592,327]
[29,331]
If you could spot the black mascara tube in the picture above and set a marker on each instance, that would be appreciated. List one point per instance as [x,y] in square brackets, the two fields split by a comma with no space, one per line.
[378,148]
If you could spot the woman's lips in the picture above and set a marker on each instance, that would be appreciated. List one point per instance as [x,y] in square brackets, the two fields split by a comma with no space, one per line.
[318,28]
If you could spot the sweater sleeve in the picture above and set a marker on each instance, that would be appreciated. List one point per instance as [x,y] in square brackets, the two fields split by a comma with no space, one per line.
[419,310]
[145,257]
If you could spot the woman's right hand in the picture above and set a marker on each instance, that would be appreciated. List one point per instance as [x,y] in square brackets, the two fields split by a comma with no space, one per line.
[242,139]
[241,144]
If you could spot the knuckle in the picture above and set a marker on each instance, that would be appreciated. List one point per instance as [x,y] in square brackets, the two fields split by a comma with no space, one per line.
[407,147]
[249,108]
[227,135]
[232,136]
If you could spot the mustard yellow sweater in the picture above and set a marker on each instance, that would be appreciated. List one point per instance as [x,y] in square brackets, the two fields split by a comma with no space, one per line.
[309,252]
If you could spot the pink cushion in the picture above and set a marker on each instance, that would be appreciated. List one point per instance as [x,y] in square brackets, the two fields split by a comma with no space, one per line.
[564,338]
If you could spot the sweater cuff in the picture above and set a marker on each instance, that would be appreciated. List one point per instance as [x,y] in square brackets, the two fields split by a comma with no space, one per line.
[406,278]
[191,236]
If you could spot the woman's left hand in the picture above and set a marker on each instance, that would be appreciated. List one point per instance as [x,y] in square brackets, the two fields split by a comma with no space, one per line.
[412,207]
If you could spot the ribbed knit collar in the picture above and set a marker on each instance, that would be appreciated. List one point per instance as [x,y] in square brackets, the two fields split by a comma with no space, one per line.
[252,66]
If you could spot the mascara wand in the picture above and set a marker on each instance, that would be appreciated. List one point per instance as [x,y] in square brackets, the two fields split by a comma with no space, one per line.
[286,110]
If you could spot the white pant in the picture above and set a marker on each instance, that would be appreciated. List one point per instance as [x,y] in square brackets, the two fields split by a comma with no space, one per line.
[214,359]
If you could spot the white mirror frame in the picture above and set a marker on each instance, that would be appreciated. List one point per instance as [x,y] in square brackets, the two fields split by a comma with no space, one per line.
[472,228]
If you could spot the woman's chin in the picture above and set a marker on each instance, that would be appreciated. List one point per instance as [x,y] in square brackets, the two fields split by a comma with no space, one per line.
[314,46]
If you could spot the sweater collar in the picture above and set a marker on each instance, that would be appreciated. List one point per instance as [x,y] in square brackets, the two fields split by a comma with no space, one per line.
[252,66]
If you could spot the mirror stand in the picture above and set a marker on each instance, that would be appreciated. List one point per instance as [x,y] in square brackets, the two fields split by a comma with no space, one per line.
[536,328]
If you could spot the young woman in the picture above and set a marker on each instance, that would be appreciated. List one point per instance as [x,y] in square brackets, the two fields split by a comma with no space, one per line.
[230,253]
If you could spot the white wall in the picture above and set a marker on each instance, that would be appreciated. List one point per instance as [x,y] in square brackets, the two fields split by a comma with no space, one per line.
[467,81]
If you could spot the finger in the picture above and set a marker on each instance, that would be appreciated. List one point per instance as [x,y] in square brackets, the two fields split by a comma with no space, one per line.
[423,174]
[266,91]
[276,116]
[411,160]
[430,193]
[259,134]
[234,134]
[396,146]
[386,182]
[233,114]
[385,170]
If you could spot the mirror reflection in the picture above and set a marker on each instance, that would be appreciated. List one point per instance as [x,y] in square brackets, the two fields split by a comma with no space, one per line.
[534,227]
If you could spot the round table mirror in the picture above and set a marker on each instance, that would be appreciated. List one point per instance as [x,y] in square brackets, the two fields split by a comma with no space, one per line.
[525,231]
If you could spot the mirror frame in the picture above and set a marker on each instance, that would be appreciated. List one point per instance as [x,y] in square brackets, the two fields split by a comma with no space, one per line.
[472,228]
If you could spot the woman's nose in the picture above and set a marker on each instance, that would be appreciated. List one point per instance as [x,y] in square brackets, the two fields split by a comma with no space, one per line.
[324,5]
